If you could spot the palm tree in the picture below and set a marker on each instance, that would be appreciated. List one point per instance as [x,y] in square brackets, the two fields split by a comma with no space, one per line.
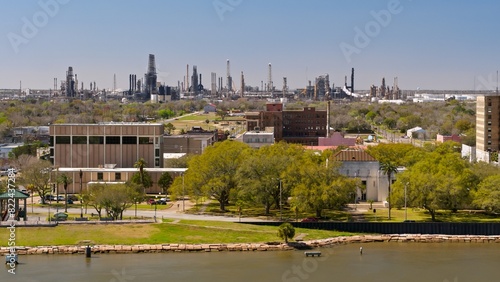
[141,164]
[65,180]
[389,168]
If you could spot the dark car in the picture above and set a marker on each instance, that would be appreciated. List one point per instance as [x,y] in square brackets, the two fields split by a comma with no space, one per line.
[310,219]
[161,201]
[73,198]
[50,197]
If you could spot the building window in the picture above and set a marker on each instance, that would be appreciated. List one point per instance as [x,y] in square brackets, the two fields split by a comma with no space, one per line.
[96,140]
[63,140]
[51,141]
[118,176]
[129,140]
[157,152]
[79,139]
[157,162]
[100,176]
[112,139]
[145,140]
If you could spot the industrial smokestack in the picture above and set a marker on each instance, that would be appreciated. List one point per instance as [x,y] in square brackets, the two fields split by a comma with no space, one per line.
[352,80]
[187,78]
[284,86]
[242,85]
[328,120]
[270,79]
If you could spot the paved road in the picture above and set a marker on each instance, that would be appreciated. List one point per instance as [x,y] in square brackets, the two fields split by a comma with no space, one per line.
[174,212]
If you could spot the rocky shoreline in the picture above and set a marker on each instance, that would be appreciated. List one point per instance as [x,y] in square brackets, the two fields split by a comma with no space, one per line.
[160,248]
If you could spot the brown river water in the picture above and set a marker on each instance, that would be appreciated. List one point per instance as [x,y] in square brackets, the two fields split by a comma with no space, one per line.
[423,262]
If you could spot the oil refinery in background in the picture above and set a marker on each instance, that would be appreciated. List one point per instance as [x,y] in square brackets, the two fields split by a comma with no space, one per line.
[148,88]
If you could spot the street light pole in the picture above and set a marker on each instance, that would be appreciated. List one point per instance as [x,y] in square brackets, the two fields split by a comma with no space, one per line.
[183,192]
[281,205]
[81,197]
[406,211]
[156,204]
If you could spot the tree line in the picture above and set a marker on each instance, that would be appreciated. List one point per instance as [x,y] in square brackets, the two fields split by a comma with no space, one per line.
[436,177]
[277,176]
[288,176]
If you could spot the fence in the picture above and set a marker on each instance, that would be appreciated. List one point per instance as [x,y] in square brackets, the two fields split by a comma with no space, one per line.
[399,227]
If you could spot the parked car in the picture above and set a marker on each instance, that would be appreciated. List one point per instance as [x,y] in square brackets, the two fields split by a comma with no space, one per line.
[161,201]
[69,201]
[310,219]
[151,201]
[49,197]
[23,189]
[60,198]
[60,216]
[73,198]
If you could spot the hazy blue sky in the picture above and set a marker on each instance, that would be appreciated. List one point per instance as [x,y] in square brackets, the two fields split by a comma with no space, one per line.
[427,44]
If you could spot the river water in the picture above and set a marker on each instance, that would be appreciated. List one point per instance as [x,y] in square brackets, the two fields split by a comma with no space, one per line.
[423,262]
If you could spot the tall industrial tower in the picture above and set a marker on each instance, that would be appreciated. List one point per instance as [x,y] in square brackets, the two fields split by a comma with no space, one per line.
[229,78]
[186,84]
[213,84]
[270,80]
[70,83]
[194,81]
[285,87]
[150,77]
[242,85]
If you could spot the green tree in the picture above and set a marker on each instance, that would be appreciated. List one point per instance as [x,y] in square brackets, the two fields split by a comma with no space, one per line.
[27,149]
[286,231]
[141,164]
[222,114]
[165,181]
[144,181]
[213,173]
[441,180]
[317,186]
[166,113]
[389,168]
[92,196]
[38,174]
[487,196]
[169,127]
[65,180]
[116,198]
[260,175]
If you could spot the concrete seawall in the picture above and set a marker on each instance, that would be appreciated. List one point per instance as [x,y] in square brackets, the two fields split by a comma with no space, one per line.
[159,248]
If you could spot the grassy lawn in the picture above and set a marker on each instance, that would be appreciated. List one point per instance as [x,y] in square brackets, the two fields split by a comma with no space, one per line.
[259,212]
[423,216]
[184,231]
[187,122]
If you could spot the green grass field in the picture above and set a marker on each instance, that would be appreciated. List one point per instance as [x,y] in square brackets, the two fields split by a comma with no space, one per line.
[421,215]
[184,231]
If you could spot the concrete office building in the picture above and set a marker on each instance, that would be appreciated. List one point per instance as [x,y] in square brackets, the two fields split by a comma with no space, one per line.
[195,141]
[98,145]
[106,153]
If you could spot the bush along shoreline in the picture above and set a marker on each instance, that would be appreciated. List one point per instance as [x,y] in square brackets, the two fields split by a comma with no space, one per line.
[239,247]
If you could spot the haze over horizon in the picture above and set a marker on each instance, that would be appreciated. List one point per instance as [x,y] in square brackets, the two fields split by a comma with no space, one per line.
[442,45]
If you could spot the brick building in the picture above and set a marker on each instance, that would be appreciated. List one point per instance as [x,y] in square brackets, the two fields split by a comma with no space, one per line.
[294,126]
